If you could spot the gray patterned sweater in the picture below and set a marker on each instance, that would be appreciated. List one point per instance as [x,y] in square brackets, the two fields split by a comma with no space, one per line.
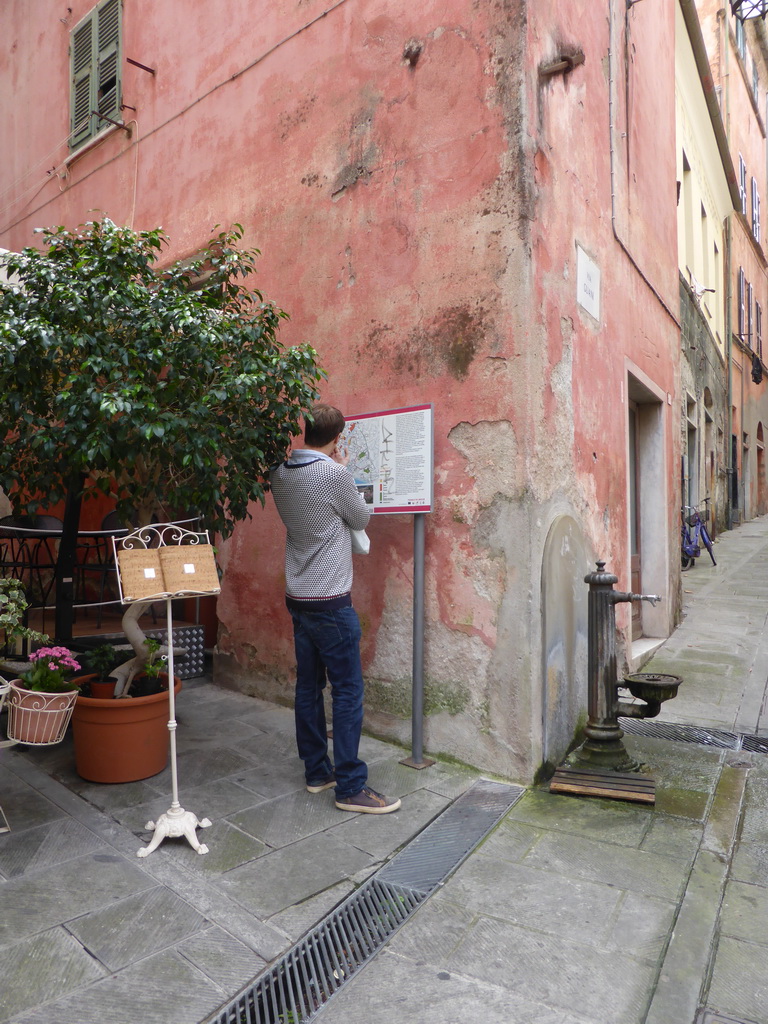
[319,503]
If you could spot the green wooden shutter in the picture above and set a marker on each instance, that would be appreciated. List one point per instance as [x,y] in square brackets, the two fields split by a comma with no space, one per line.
[82,73]
[108,60]
[96,71]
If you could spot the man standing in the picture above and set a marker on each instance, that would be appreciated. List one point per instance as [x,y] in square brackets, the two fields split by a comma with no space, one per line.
[319,504]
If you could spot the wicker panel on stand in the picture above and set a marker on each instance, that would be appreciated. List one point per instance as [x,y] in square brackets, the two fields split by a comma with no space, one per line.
[189,568]
[141,574]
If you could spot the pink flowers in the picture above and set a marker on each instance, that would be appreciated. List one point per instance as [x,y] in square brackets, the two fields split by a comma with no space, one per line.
[50,668]
[61,658]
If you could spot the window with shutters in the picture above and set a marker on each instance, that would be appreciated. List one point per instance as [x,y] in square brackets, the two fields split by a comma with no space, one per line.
[758,330]
[95,61]
[743,184]
[741,40]
[755,211]
[742,304]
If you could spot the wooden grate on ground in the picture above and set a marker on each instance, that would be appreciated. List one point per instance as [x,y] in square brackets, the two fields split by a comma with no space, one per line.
[605,783]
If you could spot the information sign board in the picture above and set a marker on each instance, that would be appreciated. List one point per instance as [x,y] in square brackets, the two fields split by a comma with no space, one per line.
[391,458]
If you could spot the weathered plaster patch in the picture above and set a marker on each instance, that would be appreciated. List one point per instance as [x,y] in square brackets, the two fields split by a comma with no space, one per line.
[253,679]
[464,507]
[469,596]
[350,174]
[478,695]
[491,451]
[448,342]
[395,696]
[290,119]
[505,529]
[449,656]
[556,440]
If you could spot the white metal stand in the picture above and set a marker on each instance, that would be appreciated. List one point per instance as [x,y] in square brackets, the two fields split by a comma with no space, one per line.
[175,822]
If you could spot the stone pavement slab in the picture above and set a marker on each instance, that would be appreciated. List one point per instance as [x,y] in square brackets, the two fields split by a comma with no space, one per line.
[59,964]
[56,895]
[739,984]
[158,918]
[564,974]
[164,988]
[393,987]
[290,875]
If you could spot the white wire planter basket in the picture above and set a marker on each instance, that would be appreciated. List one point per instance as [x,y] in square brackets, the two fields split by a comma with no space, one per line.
[38,719]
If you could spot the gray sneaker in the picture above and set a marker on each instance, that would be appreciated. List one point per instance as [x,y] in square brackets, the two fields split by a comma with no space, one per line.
[368,801]
[318,785]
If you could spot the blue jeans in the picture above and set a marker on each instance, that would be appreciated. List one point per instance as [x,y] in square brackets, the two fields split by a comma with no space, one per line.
[328,647]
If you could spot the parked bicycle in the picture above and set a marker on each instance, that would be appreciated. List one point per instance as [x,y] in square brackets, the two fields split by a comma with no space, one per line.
[691,542]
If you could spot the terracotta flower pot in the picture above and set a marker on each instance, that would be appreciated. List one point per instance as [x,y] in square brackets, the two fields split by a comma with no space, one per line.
[38,718]
[123,739]
[103,689]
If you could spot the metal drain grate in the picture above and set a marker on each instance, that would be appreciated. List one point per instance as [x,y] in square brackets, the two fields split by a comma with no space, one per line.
[695,734]
[309,974]
[443,845]
[298,984]
[684,733]
[754,743]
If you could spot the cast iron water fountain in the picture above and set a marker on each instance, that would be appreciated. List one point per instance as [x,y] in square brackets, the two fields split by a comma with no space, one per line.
[603,747]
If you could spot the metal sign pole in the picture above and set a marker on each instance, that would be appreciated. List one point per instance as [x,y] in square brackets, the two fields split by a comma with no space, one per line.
[417,759]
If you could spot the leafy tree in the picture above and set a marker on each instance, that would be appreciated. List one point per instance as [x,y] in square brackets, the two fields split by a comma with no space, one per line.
[165,387]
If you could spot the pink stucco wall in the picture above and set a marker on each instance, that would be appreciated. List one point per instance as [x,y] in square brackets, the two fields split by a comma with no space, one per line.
[418,219]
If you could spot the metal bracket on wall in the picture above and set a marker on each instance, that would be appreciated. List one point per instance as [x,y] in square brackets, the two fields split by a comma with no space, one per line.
[564,63]
[117,124]
[142,66]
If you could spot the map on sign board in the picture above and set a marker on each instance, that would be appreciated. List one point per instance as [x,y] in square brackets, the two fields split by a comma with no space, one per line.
[391,458]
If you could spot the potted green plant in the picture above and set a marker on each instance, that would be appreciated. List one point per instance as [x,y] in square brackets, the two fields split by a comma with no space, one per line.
[152,676]
[41,700]
[124,737]
[13,610]
[100,661]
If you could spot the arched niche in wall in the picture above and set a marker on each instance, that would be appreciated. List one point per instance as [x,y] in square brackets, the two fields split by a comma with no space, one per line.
[565,563]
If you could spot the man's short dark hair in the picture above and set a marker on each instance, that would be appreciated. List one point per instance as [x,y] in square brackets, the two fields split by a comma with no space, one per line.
[323,425]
